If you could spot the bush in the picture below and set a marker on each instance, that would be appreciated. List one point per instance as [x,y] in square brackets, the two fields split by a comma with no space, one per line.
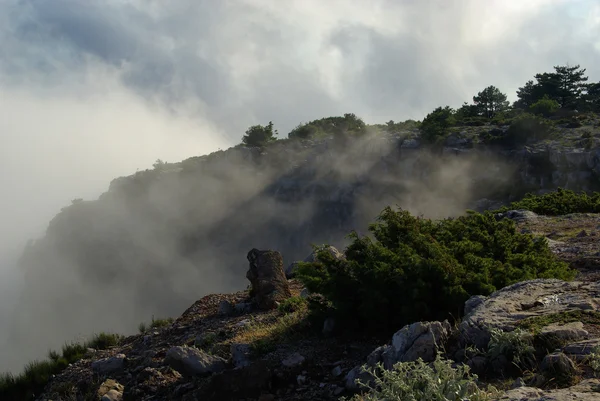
[36,375]
[436,124]
[418,269]
[259,135]
[544,107]
[524,129]
[419,381]
[292,304]
[516,346]
[559,202]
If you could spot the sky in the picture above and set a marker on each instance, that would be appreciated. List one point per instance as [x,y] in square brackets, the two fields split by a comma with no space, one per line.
[92,90]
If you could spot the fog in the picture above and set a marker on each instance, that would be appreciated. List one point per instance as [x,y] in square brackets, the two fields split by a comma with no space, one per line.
[91,91]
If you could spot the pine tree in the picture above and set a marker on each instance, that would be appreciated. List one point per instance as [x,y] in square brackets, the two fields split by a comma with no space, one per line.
[490,102]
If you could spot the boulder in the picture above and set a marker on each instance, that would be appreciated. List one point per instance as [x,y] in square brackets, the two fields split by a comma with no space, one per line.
[192,361]
[313,257]
[110,390]
[418,340]
[558,366]
[505,308]
[269,285]
[110,365]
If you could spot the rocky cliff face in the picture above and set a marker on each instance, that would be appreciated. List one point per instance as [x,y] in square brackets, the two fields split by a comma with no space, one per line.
[159,239]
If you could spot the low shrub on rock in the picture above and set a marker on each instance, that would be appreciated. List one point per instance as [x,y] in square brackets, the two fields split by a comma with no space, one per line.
[420,381]
[418,269]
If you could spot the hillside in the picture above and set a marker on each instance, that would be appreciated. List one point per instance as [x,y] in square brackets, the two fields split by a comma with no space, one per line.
[229,347]
[158,239]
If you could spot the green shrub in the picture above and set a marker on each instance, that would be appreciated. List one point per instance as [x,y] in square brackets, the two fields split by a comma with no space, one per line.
[516,346]
[418,269]
[31,382]
[526,128]
[544,107]
[292,304]
[420,381]
[560,202]
[436,124]
[593,360]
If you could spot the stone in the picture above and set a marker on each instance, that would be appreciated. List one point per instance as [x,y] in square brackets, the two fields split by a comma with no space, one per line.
[357,374]
[112,395]
[109,365]
[328,326]
[304,293]
[312,258]
[225,308]
[293,360]
[568,331]
[478,364]
[473,303]
[248,382]
[108,386]
[243,307]
[266,275]
[558,366]
[192,361]
[505,308]
[581,349]
[240,354]
[301,380]
[586,390]
[417,340]
[337,371]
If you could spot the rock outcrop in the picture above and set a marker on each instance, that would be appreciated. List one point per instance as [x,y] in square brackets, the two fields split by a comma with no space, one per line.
[269,285]
[313,257]
[587,390]
[505,308]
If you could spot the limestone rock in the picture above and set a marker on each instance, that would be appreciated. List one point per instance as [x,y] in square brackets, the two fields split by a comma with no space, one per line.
[111,386]
[313,257]
[109,365]
[587,390]
[558,365]
[567,331]
[192,361]
[414,341]
[266,275]
[505,308]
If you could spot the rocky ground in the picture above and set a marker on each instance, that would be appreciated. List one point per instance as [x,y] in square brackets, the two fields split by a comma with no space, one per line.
[238,347]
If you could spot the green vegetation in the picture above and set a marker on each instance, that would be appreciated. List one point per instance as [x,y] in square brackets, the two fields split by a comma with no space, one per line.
[436,125]
[292,304]
[349,124]
[36,375]
[559,202]
[419,269]
[536,323]
[544,107]
[264,336]
[516,346]
[420,381]
[259,135]
[489,102]
[593,360]
[154,324]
